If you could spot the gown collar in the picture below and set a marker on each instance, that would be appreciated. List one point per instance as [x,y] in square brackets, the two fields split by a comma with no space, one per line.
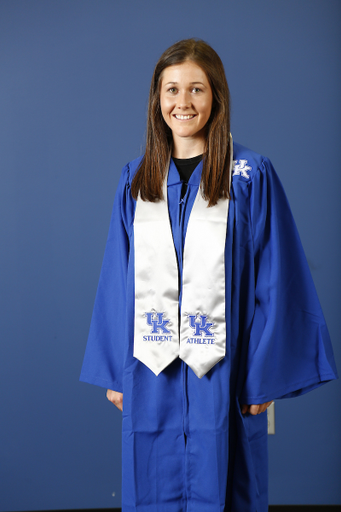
[174,177]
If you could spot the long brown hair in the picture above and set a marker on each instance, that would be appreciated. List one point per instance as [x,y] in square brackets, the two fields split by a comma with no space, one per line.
[216,161]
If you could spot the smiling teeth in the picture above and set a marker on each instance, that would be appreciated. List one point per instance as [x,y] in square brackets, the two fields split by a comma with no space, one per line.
[178,116]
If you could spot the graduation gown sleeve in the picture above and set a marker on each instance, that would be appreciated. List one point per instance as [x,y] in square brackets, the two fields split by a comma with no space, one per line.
[289,349]
[103,360]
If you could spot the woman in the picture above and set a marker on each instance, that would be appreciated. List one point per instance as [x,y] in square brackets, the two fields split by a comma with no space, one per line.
[205,310]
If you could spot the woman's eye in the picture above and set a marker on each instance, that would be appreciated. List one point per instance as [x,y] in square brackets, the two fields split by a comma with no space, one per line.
[172,90]
[196,89]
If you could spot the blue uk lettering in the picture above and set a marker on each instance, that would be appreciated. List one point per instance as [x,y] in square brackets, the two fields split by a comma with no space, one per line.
[201,341]
[157,323]
[200,325]
[157,338]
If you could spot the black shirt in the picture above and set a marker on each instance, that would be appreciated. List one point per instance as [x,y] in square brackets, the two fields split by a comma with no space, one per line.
[185,167]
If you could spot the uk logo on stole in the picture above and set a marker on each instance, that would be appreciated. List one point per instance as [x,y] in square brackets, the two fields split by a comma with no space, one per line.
[202,329]
[158,324]
[202,334]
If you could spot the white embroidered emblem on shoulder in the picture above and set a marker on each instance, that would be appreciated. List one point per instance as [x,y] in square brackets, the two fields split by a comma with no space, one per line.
[241,168]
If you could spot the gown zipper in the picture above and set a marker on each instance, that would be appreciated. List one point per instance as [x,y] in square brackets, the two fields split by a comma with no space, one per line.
[184,367]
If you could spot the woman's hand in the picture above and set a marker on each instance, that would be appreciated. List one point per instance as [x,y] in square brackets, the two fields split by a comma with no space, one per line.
[255,409]
[116,398]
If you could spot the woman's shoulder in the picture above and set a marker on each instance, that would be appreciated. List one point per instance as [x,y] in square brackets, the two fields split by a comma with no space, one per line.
[247,163]
[130,169]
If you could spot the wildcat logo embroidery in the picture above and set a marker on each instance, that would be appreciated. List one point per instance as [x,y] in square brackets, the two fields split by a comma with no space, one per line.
[241,168]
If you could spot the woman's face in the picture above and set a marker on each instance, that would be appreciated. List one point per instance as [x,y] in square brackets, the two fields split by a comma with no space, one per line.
[186,100]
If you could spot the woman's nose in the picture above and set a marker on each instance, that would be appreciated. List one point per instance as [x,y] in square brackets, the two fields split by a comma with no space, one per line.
[184,100]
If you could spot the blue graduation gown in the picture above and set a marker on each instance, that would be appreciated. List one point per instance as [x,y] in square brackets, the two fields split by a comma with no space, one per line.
[186,445]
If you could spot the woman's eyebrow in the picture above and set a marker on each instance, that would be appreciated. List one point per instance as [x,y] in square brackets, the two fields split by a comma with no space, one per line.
[191,83]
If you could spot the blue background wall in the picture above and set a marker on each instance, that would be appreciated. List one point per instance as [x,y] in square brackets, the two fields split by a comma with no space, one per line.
[73,91]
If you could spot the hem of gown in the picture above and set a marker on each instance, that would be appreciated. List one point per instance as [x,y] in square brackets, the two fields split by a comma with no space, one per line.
[272,508]
[164,507]
[175,507]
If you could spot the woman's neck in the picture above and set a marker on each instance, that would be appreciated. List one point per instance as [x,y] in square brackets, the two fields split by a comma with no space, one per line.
[186,147]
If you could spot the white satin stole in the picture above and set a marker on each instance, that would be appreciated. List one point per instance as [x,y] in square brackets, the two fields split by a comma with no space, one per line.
[198,334]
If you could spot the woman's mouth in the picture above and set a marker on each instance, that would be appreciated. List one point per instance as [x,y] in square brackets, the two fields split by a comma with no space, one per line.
[182,117]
